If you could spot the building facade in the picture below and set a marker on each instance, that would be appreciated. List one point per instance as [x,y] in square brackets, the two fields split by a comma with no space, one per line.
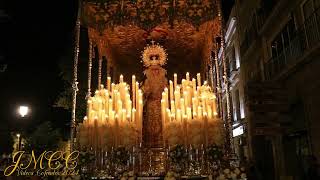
[272,52]
[232,95]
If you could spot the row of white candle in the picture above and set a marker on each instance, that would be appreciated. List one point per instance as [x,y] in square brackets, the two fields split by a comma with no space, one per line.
[113,106]
[191,115]
[188,100]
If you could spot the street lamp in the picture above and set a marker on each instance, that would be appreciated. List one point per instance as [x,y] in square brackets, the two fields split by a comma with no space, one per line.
[23,110]
[19,141]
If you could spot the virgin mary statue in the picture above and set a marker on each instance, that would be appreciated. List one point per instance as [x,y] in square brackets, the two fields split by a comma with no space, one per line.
[154,57]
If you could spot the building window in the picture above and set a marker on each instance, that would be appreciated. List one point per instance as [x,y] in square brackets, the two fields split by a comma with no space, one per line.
[232,60]
[237,58]
[233,56]
[307,8]
[236,109]
[283,39]
[242,113]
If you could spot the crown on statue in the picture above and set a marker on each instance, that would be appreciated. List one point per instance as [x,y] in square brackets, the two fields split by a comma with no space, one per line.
[154,54]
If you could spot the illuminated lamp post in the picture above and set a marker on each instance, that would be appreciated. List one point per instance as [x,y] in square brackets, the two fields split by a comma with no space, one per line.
[23,111]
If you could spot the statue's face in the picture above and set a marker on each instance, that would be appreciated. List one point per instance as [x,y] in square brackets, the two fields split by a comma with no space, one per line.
[154,59]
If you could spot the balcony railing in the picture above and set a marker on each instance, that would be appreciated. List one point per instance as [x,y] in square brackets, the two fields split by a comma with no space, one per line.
[307,38]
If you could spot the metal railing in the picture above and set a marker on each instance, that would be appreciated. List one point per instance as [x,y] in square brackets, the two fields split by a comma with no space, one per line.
[307,38]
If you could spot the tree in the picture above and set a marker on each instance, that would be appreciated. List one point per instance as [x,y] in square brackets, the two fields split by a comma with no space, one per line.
[6,141]
[45,137]
[64,99]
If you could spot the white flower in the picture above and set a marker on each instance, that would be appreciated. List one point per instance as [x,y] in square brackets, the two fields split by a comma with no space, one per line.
[233,176]
[130,173]
[237,171]
[226,171]
[172,178]
[221,177]
[169,174]
[243,175]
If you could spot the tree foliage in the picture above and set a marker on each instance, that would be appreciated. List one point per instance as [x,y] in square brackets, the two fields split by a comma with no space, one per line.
[45,137]
[64,99]
[6,141]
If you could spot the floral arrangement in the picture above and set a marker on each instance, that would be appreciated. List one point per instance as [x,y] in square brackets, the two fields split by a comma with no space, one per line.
[232,174]
[214,153]
[178,154]
[128,176]
[120,156]
[171,176]
[86,157]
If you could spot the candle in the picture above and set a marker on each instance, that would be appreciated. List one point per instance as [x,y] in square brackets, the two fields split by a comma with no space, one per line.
[110,106]
[140,118]
[199,112]
[133,84]
[203,103]
[112,91]
[172,106]
[179,115]
[186,98]
[199,79]
[189,115]
[109,83]
[163,108]
[194,85]
[182,107]
[171,90]
[189,101]
[133,116]
[119,108]
[214,106]
[106,103]
[194,108]
[137,94]
[209,112]
[175,79]
[176,97]
[166,97]
[124,115]
[121,79]
[183,84]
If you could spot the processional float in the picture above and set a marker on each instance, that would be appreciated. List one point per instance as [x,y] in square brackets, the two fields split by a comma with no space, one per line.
[155,114]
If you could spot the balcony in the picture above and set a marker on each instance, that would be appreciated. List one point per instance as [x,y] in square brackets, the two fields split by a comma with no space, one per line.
[308,38]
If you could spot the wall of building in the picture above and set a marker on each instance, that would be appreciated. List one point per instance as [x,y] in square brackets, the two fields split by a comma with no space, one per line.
[287,136]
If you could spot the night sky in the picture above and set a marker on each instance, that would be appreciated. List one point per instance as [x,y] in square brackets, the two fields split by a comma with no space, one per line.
[34,37]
